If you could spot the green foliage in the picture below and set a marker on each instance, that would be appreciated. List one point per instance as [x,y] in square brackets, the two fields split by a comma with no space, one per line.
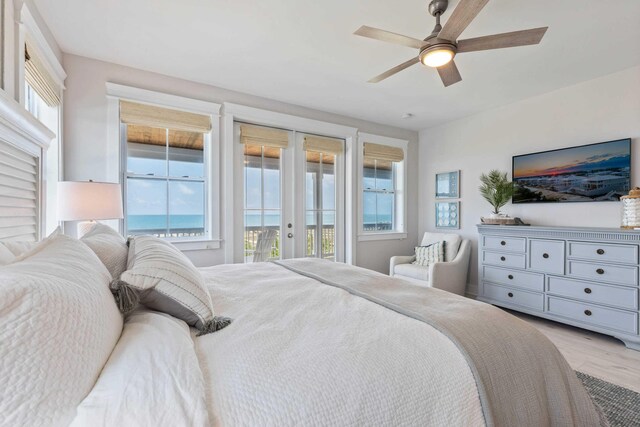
[496,189]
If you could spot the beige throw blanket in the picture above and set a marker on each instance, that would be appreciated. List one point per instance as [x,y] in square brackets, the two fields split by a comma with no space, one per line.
[522,379]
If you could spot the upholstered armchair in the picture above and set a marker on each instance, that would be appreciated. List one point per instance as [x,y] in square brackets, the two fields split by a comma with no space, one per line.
[450,275]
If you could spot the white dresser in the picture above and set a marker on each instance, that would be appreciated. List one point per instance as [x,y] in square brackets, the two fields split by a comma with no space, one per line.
[585,277]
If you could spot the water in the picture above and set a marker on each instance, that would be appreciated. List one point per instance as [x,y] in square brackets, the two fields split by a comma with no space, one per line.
[155,222]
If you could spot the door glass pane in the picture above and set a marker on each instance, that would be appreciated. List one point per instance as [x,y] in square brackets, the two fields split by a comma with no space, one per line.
[186,208]
[186,154]
[329,235]
[262,215]
[252,177]
[328,182]
[271,171]
[146,150]
[147,206]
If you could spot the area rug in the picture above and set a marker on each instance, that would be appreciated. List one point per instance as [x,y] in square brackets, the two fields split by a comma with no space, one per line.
[620,405]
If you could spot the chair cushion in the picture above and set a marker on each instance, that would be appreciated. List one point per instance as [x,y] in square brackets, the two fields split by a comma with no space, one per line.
[412,270]
[451,243]
[427,255]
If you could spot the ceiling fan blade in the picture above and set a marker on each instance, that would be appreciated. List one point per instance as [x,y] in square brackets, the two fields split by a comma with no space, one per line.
[388,36]
[499,41]
[449,74]
[463,14]
[395,70]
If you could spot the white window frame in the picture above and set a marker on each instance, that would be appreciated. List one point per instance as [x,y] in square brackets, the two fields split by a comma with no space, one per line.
[400,181]
[213,215]
[344,191]
[27,28]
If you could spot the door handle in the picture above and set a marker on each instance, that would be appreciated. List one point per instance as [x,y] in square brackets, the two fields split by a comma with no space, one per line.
[290,235]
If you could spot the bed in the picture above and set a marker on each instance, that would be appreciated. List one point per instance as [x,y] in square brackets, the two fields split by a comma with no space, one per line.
[306,351]
[311,343]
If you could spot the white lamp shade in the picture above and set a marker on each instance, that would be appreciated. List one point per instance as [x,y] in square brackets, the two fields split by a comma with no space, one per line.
[79,201]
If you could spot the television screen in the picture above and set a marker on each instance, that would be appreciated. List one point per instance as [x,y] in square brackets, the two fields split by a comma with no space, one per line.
[588,173]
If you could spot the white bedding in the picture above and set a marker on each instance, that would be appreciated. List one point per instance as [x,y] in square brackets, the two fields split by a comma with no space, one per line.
[151,379]
[302,353]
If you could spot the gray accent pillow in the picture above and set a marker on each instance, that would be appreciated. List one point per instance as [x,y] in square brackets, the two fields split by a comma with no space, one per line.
[427,255]
[109,246]
[167,281]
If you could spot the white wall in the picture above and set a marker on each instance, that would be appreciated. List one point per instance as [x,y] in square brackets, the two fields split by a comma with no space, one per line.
[599,110]
[86,148]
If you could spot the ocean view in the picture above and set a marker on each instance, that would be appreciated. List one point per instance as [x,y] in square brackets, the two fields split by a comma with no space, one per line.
[182,222]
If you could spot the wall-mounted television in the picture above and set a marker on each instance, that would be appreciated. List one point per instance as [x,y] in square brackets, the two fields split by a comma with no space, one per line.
[588,173]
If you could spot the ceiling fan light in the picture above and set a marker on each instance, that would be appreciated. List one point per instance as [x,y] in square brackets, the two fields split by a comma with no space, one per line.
[437,57]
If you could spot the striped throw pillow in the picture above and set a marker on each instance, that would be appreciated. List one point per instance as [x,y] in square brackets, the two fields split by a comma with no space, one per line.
[427,255]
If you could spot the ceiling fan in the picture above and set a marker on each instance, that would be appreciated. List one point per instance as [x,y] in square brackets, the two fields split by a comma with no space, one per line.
[438,48]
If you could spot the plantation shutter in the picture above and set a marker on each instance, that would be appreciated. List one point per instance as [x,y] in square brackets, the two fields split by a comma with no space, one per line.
[323,145]
[19,188]
[263,136]
[159,117]
[383,152]
[37,76]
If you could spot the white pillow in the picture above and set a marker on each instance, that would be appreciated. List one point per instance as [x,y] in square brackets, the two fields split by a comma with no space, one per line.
[11,250]
[58,326]
[451,243]
[427,255]
[167,281]
[109,246]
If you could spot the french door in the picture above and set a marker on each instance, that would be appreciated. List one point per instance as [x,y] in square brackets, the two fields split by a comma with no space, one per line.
[291,197]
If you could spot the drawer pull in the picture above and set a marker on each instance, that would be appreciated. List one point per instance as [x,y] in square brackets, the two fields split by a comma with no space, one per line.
[600,251]
[600,271]
[502,258]
[587,312]
[510,277]
[587,290]
[510,294]
[503,243]
[545,255]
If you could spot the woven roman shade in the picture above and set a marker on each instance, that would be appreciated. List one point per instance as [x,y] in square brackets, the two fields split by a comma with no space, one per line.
[263,136]
[160,117]
[323,145]
[383,152]
[37,76]
[19,214]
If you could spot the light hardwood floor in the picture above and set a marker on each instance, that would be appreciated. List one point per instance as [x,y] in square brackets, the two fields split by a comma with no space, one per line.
[594,354]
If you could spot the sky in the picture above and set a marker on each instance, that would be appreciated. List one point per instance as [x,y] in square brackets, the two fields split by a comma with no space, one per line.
[149,197]
[612,154]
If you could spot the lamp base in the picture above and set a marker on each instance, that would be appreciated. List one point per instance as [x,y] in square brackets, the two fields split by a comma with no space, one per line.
[84,227]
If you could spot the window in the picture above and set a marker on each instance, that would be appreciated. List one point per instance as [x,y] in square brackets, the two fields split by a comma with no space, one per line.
[382,180]
[166,167]
[42,98]
[320,185]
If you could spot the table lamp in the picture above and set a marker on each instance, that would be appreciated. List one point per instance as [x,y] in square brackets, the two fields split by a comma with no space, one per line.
[88,202]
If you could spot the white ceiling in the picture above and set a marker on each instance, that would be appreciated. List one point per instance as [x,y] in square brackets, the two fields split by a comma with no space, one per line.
[303,51]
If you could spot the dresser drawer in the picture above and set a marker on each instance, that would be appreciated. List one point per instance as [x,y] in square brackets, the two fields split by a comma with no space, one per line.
[510,244]
[617,274]
[513,296]
[626,254]
[515,278]
[611,318]
[617,296]
[546,256]
[503,259]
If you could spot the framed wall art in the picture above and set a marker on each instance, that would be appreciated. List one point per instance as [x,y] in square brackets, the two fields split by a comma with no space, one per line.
[448,185]
[448,215]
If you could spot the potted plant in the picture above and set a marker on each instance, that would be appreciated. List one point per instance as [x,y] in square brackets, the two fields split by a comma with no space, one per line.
[497,190]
